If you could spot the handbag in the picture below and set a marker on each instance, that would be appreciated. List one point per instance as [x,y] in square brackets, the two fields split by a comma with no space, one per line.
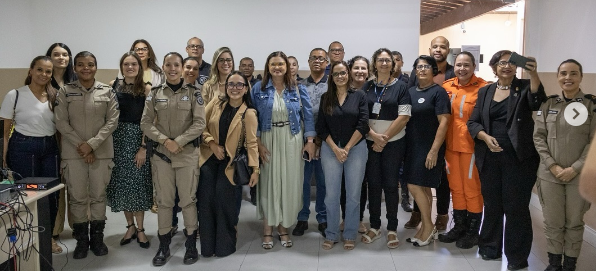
[242,171]
[14,113]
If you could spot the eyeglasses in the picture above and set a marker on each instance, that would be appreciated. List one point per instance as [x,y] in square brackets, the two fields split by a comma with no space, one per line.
[194,46]
[338,74]
[338,50]
[504,64]
[423,67]
[222,60]
[317,59]
[384,60]
[144,49]
[239,85]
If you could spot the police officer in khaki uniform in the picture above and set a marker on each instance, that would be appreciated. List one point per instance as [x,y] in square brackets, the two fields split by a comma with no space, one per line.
[86,115]
[174,118]
[563,139]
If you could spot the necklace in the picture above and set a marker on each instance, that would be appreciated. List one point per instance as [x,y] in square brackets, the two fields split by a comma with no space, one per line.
[503,87]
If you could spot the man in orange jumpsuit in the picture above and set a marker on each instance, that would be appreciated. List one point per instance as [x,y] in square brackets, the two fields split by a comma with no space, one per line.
[462,174]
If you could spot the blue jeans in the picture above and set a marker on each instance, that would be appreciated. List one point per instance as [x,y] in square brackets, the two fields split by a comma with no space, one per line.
[309,167]
[36,157]
[353,169]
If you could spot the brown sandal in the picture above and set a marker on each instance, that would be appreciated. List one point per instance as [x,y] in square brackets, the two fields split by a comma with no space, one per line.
[349,244]
[328,244]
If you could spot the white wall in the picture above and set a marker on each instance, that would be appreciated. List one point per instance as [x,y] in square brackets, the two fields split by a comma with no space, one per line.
[558,30]
[250,28]
[489,31]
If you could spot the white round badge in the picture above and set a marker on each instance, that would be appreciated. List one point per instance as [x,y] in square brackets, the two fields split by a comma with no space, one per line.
[421,100]
[576,113]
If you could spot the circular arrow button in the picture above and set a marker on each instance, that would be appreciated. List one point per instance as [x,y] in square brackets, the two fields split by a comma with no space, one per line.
[576,114]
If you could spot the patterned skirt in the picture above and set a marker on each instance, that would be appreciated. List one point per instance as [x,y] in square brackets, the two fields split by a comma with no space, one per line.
[130,188]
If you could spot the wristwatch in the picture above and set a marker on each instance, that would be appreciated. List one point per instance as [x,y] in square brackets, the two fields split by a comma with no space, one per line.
[256,170]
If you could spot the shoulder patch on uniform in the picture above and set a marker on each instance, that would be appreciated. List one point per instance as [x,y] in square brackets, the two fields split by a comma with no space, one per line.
[591,97]
[199,97]
[553,96]
[68,94]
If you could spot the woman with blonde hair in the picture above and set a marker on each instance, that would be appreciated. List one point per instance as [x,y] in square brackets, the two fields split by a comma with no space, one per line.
[223,64]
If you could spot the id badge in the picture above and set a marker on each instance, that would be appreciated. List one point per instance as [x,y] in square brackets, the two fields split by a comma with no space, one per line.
[376,108]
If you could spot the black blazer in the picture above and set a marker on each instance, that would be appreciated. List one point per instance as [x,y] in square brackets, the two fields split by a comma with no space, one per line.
[520,124]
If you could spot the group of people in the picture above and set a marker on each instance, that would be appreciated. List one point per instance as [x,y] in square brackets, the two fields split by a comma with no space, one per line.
[166,138]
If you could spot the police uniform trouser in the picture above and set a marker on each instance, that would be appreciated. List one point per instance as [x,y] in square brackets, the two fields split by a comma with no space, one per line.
[563,209]
[87,187]
[464,181]
[165,180]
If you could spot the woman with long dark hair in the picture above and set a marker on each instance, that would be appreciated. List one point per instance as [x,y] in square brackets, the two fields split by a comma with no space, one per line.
[63,72]
[130,188]
[152,74]
[342,125]
[32,149]
[282,106]
[231,120]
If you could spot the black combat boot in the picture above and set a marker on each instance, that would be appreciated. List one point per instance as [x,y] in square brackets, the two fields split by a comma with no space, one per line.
[98,247]
[192,254]
[471,238]
[459,229]
[163,253]
[569,263]
[81,233]
[554,262]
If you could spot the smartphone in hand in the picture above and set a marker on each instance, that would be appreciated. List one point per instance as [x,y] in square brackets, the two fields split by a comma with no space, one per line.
[305,156]
[519,60]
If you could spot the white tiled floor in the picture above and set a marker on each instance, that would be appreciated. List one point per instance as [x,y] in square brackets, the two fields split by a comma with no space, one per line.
[305,255]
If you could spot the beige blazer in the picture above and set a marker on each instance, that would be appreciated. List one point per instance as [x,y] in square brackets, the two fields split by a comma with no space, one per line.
[211,133]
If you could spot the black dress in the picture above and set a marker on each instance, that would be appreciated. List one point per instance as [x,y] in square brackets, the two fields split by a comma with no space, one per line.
[421,130]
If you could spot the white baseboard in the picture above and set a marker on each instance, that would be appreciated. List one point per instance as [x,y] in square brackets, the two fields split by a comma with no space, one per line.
[589,233]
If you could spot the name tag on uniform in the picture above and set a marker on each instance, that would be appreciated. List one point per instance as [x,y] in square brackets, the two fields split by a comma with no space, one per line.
[553,111]
[376,108]
[161,100]
[74,94]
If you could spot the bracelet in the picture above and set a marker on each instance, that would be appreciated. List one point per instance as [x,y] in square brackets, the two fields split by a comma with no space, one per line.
[256,170]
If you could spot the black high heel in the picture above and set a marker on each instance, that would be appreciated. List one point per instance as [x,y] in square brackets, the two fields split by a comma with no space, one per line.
[127,241]
[143,244]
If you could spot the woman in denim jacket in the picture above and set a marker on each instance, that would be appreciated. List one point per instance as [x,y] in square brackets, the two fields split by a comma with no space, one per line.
[284,110]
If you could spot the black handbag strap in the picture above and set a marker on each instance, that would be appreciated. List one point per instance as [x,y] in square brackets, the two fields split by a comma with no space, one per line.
[242,139]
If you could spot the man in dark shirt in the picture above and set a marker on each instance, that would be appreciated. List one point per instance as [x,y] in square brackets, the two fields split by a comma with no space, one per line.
[316,85]
[439,49]
[195,48]
[336,54]
[247,67]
